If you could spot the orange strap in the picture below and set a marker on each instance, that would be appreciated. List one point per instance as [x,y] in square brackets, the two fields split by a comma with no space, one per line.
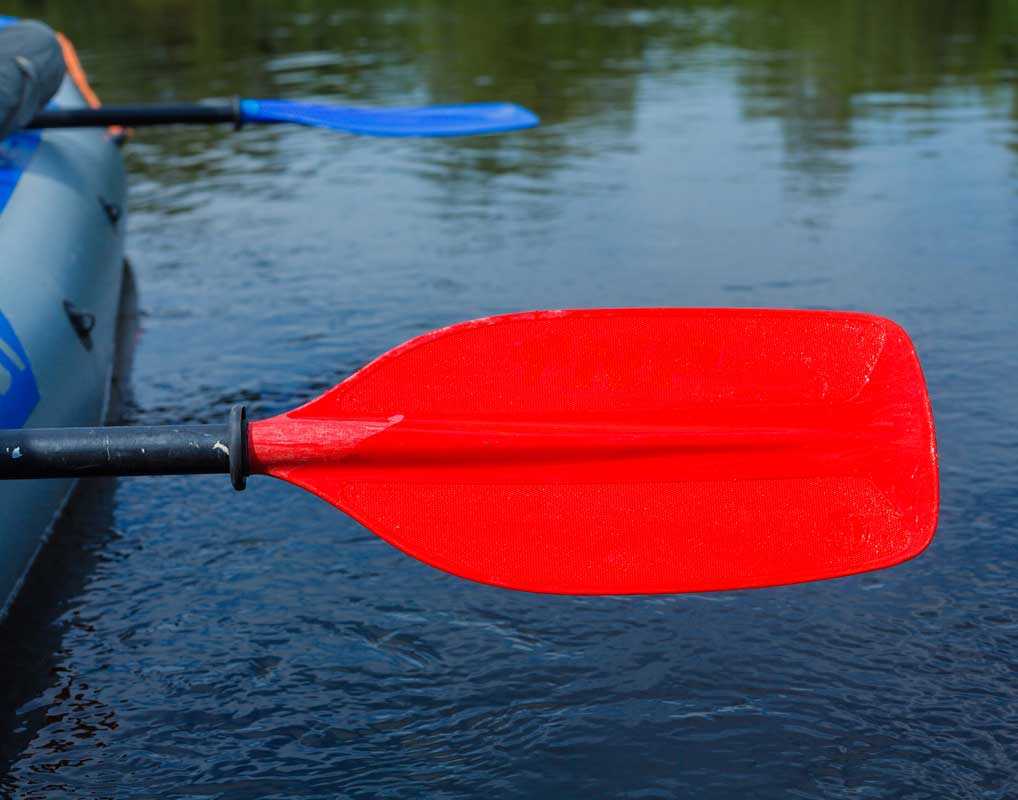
[77,73]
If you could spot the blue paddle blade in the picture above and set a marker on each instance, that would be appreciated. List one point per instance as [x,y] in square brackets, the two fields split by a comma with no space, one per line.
[458,120]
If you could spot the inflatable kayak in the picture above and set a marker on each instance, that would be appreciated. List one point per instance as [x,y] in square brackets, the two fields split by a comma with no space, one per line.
[62,223]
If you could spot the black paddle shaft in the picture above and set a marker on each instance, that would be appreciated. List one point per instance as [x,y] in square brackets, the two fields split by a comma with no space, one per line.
[136,116]
[129,450]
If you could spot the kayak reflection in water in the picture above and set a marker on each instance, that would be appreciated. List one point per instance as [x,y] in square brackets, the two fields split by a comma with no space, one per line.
[31,69]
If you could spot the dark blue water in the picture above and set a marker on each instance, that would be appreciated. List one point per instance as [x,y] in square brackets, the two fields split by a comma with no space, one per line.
[178,639]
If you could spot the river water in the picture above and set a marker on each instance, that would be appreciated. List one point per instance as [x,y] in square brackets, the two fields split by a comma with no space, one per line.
[181,640]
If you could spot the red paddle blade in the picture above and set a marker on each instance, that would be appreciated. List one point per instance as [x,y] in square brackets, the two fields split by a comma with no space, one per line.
[631,450]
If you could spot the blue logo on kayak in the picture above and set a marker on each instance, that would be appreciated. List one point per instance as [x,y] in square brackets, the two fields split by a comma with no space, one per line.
[18,392]
[15,153]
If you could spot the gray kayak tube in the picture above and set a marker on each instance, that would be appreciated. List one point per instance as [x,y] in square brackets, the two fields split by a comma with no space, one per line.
[62,224]
[31,71]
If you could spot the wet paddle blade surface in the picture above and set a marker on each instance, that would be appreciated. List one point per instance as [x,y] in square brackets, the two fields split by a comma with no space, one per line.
[631,450]
[452,120]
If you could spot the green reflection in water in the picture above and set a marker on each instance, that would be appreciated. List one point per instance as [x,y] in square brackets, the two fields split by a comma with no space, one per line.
[815,67]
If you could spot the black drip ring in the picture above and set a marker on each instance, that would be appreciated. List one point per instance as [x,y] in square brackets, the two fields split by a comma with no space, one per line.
[239,467]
